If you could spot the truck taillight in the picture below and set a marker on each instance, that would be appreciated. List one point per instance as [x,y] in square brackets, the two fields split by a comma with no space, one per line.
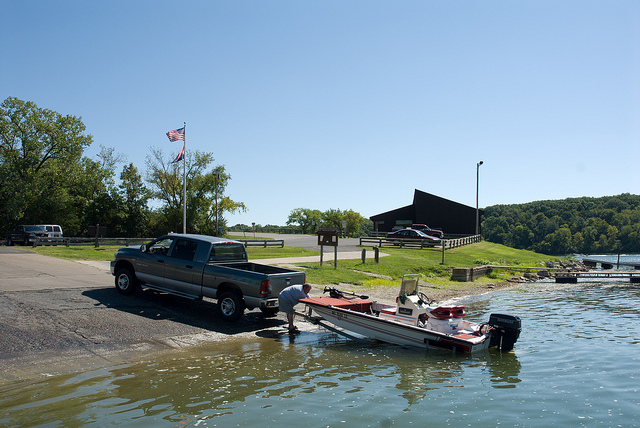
[264,287]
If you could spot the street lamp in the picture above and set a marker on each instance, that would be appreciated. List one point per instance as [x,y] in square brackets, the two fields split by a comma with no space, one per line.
[477,190]
[216,187]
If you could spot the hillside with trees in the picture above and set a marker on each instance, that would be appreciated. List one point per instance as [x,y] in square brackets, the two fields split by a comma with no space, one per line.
[576,225]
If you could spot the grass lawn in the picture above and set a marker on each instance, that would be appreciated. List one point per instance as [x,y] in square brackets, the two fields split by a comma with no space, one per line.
[105,252]
[425,262]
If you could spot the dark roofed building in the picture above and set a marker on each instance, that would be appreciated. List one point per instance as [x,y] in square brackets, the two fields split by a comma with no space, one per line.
[436,212]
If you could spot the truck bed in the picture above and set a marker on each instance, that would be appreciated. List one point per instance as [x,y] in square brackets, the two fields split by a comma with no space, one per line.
[254,267]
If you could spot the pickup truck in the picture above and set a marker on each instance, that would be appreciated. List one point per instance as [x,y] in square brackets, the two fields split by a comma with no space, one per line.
[25,234]
[427,230]
[197,266]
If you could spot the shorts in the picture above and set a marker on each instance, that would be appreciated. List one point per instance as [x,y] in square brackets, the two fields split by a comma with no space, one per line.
[285,306]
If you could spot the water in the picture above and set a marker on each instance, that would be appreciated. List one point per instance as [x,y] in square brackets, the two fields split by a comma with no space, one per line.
[576,364]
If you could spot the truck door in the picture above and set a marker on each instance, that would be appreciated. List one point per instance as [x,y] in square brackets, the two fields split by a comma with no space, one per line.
[150,265]
[180,269]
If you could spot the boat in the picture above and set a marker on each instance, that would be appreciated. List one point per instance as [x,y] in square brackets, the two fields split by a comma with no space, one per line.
[415,320]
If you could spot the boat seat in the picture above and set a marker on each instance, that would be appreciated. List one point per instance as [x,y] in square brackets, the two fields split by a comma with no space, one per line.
[448,312]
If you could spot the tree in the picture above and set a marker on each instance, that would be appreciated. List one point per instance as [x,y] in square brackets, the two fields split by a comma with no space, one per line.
[134,196]
[332,218]
[309,220]
[354,222]
[521,237]
[40,152]
[494,228]
[204,187]
[97,197]
[558,242]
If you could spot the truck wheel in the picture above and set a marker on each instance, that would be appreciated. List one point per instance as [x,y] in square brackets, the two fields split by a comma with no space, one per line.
[126,282]
[230,306]
[269,312]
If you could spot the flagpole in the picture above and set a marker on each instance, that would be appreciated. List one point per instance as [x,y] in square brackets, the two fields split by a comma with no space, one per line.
[184,183]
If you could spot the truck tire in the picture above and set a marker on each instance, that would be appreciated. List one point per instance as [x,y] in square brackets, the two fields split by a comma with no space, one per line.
[230,306]
[126,282]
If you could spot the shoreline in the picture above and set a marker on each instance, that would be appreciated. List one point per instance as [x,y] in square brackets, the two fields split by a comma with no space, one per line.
[439,294]
[37,365]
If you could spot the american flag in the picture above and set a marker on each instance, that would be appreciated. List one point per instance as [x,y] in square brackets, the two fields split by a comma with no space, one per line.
[175,135]
[180,155]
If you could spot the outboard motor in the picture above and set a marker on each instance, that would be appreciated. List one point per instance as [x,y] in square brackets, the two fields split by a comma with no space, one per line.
[506,330]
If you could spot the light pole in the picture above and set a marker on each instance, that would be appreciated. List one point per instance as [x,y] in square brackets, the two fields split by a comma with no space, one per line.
[216,187]
[477,191]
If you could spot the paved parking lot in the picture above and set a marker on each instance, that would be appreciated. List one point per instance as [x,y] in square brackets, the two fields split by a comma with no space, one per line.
[68,315]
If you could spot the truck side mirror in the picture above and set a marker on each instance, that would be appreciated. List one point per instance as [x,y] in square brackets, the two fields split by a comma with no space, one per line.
[143,248]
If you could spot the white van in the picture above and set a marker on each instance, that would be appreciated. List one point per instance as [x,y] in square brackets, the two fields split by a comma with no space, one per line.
[54,230]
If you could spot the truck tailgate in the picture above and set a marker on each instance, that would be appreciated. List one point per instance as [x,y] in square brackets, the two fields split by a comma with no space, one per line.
[280,281]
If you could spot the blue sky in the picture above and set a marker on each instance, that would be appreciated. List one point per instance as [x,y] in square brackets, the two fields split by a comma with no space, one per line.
[348,104]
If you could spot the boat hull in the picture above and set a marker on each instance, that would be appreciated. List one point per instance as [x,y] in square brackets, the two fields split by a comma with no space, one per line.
[395,332]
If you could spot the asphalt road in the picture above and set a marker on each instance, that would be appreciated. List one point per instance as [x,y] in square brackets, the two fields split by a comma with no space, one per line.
[60,316]
[310,242]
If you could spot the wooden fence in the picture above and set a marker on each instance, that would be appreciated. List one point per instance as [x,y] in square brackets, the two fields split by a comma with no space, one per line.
[96,242]
[264,243]
[443,243]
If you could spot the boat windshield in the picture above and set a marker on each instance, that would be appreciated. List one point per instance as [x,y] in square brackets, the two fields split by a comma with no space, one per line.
[409,285]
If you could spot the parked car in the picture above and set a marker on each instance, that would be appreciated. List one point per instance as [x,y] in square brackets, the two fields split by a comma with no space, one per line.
[427,230]
[197,266]
[25,234]
[54,230]
[413,235]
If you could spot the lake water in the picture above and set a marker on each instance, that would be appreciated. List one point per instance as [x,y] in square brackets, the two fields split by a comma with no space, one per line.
[577,364]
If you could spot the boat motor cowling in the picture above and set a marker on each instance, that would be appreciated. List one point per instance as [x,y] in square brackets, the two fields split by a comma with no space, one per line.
[506,330]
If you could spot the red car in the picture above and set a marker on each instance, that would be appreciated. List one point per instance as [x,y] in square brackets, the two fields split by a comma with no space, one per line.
[427,230]
[412,234]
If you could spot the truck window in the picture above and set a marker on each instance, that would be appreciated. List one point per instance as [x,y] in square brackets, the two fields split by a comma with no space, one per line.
[184,250]
[224,252]
[160,247]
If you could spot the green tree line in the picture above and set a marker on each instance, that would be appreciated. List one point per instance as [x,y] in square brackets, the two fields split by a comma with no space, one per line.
[575,225]
[309,220]
[46,179]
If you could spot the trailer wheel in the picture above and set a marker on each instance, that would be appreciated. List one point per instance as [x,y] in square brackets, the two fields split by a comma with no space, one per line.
[230,306]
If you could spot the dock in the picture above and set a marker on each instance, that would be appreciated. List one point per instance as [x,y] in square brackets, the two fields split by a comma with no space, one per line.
[572,277]
[609,264]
